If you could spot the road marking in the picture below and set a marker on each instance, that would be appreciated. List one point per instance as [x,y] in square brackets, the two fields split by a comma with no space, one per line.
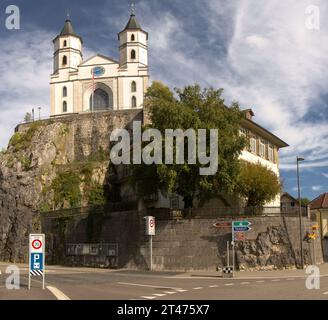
[214,286]
[275,280]
[229,284]
[325,292]
[159,294]
[146,297]
[170,292]
[244,283]
[198,288]
[58,294]
[181,290]
[290,279]
[260,281]
[147,285]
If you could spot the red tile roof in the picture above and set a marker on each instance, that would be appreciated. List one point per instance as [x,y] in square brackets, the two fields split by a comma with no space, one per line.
[320,202]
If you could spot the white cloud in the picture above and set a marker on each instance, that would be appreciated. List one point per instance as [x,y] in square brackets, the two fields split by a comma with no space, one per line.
[316,188]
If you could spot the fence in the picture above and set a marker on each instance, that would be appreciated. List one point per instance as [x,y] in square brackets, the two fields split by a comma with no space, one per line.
[93,254]
[217,212]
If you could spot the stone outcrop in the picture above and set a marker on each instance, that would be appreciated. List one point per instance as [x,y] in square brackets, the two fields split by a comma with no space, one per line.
[40,158]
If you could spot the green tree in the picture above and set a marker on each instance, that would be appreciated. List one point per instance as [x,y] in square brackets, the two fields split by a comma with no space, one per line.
[191,108]
[257,184]
[27,117]
[305,201]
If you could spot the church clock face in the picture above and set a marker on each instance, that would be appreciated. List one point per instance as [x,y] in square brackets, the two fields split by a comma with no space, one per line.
[98,71]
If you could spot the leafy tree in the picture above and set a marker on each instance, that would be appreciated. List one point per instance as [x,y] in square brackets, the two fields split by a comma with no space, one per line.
[305,201]
[191,108]
[28,117]
[257,184]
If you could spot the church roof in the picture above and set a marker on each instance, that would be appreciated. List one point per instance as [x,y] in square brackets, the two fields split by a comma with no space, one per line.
[68,30]
[133,23]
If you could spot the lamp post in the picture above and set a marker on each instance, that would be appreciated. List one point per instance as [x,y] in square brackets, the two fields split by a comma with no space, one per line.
[299,159]
[39,113]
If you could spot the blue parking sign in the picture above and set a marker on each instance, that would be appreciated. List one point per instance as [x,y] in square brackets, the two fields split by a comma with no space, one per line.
[36,261]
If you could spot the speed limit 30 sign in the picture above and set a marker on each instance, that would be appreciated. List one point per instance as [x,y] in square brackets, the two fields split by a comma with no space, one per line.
[36,256]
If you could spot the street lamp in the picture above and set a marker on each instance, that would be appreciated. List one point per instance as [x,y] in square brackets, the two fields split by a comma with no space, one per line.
[39,113]
[299,159]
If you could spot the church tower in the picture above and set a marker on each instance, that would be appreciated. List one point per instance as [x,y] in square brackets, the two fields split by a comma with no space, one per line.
[67,49]
[133,44]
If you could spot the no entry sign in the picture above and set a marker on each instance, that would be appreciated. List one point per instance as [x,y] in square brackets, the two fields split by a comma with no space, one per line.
[36,256]
[150,225]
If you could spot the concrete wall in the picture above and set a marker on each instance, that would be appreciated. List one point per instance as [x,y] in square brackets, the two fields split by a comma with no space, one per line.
[180,245]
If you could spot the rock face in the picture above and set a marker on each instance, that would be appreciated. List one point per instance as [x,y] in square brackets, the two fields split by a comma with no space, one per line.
[270,250]
[47,161]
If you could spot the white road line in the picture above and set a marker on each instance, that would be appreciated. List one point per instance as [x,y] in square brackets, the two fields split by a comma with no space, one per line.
[149,298]
[181,290]
[214,286]
[229,284]
[290,279]
[325,292]
[147,285]
[159,294]
[170,292]
[198,288]
[244,283]
[275,280]
[260,281]
[58,294]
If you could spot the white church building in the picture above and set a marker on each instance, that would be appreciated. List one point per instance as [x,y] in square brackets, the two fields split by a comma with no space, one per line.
[99,83]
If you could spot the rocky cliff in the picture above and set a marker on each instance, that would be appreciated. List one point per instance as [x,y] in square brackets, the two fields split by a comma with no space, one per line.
[53,164]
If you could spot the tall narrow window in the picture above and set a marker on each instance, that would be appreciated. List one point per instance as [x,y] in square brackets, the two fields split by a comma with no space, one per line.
[133,54]
[133,86]
[64,106]
[64,92]
[64,60]
[253,144]
[132,37]
[134,102]
[65,43]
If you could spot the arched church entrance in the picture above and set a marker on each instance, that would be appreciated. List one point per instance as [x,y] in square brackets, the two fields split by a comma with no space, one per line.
[101,100]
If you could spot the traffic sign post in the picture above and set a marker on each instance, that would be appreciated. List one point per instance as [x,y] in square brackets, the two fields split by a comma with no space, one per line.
[150,231]
[36,257]
[238,229]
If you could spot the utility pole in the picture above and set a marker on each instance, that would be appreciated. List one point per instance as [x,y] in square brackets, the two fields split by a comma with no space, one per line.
[299,159]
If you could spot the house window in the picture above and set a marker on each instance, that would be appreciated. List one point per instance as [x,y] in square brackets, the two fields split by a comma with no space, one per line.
[262,148]
[253,145]
[132,37]
[64,106]
[65,43]
[271,153]
[133,86]
[174,202]
[64,92]
[133,54]
[134,102]
[64,60]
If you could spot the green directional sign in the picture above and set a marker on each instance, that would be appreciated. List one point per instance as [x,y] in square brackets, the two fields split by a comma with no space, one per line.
[243,223]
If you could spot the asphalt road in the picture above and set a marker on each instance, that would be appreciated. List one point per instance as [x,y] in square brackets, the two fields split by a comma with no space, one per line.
[82,283]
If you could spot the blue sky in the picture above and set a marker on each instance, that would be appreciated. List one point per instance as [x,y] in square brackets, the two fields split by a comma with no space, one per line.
[262,55]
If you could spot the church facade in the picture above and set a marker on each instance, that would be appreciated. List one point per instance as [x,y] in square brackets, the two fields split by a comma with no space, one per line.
[99,83]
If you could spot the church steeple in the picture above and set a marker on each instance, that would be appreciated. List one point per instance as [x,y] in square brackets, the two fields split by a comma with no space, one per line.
[67,48]
[133,43]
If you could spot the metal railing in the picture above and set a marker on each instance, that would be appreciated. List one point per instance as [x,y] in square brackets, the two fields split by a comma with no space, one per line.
[92,249]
